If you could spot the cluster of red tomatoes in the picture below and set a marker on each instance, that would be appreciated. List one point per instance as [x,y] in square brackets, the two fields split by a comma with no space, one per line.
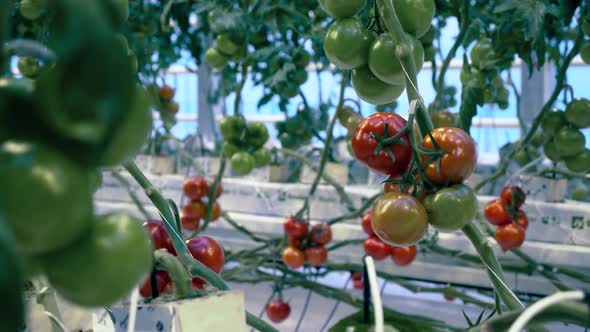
[305,246]
[357,280]
[380,250]
[197,189]
[203,248]
[505,213]
[422,190]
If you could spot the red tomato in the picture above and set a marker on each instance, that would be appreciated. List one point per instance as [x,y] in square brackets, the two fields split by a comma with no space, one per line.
[356,276]
[198,284]
[189,223]
[366,223]
[403,256]
[510,236]
[159,235]
[376,248]
[321,233]
[277,311]
[449,297]
[164,284]
[195,187]
[459,160]
[513,196]
[195,209]
[496,213]
[207,251]
[294,227]
[293,257]
[358,284]
[294,242]
[364,145]
[316,256]
[521,220]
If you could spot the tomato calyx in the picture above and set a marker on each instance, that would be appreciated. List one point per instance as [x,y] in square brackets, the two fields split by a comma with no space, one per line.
[385,142]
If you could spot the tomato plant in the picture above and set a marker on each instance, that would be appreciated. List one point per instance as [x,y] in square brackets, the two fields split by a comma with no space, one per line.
[399,219]
[278,311]
[364,144]
[459,159]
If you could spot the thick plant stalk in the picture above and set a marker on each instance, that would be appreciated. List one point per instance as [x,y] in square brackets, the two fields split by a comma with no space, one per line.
[194,267]
[480,243]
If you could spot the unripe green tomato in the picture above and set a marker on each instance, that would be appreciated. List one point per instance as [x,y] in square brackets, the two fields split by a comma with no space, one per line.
[300,77]
[387,68]
[347,43]
[301,58]
[522,158]
[579,163]
[552,151]
[372,90]
[570,141]
[28,66]
[538,139]
[415,16]
[429,53]
[443,118]
[553,121]
[585,27]
[123,10]
[502,94]
[242,163]
[581,193]
[31,9]
[215,59]
[458,201]
[261,157]
[344,113]
[353,122]
[342,8]
[229,149]
[225,45]
[482,53]
[577,113]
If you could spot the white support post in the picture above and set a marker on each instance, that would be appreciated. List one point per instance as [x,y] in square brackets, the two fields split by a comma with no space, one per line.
[535,91]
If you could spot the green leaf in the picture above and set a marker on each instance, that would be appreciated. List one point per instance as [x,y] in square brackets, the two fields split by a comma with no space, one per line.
[469,322]
[471,96]
[265,100]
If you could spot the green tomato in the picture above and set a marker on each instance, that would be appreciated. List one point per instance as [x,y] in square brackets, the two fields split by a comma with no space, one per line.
[502,95]
[95,180]
[384,62]
[451,208]
[428,37]
[225,45]
[342,8]
[12,314]
[261,157]
[47,199]
[256,135]
[570,141]
[552,151]
[28,66]
[232,127]
[581,193]
[31,9]
[429,53]
[579,163]
[229,149]
[538,139]
[132,133]
[289,141]
[242,163]
[482,53]
[522,158]
[585,27]
[577,113]
[372,90]
[347,43]
[552,122]
[301,58]
[344,113]
[288,90]
[443,118]
[104,266]
[122,10]
[415,15]
[300,77]
[215,59]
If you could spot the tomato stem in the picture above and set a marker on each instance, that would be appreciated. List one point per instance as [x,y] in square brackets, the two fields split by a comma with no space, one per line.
[177,271]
